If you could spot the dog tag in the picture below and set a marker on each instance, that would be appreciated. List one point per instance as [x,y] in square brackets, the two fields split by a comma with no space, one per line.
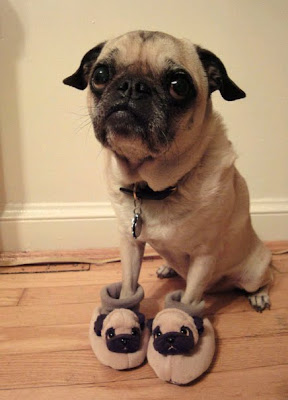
[136,225]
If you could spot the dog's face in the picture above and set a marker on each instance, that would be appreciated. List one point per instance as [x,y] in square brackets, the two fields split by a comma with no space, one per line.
[148,92]
[121,329]
[175,332]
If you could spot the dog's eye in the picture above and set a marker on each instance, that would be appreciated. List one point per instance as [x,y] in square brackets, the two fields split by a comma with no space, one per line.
[184,331]
[180,86]
[100,77]
[110,333]
[135,331]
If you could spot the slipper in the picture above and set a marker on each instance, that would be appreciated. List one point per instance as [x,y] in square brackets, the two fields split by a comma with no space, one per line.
[110,298]
[181,347]
[119,338]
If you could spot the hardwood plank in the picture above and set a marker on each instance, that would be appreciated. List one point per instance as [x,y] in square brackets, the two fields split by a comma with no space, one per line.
[80,313]
[63,314]
[45,352]
[29,340]
[61,278]
[154,288]
[60,295]
[278,245]
[268,383]
[38,268]
[40,256]
[81,367]
[67,314]
[48,332]
[102,274]
[280,263]
[61,368]
[251,352]
[97,256]
[233,301]
[10,297]
[253,324]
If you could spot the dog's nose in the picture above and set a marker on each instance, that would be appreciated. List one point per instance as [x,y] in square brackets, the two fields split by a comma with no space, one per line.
[134,89]
[124,341]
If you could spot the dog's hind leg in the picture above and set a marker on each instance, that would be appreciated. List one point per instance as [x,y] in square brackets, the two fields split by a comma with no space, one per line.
[165,272]
[256,278]
[260,300]
[198,278]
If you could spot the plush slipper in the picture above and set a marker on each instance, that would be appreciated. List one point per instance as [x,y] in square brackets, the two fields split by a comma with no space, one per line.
[110,298]
[181,346]
[119,338]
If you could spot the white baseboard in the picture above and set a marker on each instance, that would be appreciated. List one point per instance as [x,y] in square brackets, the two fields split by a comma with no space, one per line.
[56,226]
[53,226]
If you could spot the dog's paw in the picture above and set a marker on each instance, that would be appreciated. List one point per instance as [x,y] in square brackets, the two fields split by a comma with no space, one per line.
[165,271]
[259,301]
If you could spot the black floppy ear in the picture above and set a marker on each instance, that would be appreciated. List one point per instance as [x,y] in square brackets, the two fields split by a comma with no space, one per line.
[79,79]
[217,76]
[149,324]
[98,324]
[141,318]
[199,324]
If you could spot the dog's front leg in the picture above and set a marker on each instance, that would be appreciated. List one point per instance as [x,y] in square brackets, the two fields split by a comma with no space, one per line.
[199,274]
[131,257]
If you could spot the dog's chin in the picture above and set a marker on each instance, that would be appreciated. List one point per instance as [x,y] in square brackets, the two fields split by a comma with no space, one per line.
[129,149]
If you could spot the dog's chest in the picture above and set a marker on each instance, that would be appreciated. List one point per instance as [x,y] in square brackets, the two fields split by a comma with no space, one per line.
[162,222]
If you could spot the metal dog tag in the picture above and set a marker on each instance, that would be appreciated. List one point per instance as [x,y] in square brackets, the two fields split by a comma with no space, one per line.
[136,225]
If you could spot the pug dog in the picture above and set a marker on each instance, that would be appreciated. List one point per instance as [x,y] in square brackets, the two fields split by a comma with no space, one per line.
[170,166]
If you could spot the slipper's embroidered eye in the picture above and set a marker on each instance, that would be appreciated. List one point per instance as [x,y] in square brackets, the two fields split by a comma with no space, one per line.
[110,333]
[180,85]
[135,332]
[157,333]
[100,77]
[184,330]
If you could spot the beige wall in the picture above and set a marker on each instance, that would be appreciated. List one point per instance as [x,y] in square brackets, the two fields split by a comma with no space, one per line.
[52,188]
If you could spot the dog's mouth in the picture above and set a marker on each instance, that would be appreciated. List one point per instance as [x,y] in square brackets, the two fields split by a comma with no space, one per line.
[124,111]
[136,135]
[124,120]
[127,135]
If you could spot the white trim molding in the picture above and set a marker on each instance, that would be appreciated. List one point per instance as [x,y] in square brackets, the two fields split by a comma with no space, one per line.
[269,206]
[54,226]
[56,211]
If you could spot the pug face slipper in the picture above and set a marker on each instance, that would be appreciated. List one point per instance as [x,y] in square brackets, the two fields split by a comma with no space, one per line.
[181,347]
[119,338]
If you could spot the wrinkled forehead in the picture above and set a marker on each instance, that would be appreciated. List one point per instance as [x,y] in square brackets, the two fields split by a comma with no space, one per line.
[148,50]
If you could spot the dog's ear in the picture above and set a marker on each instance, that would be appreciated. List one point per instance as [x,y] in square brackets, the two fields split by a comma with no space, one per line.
[98,324]
[199,324]
[149,324]
[217,76]
[141,318]
[79,79]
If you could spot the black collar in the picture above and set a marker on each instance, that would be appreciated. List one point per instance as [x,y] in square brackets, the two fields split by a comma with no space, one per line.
[146,193]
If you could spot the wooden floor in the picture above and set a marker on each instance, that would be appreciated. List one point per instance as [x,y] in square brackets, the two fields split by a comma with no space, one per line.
[45,353]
